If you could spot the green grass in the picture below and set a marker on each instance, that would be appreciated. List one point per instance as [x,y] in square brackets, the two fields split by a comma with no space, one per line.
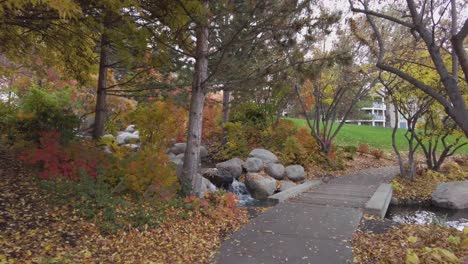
[375,137]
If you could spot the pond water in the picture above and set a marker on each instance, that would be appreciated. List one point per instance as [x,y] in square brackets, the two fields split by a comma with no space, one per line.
[428,215]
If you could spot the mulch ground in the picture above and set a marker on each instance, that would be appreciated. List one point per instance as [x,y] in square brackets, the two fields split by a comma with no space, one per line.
[34,230]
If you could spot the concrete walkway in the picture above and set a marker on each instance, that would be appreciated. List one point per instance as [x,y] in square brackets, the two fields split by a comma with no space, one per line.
[315,227]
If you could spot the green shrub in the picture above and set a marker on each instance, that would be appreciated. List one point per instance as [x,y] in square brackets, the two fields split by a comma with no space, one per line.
[249,114]
[349,152]
[350,149]
[94,200]
[42,110]
[274,137]
[7,120]
[236,142]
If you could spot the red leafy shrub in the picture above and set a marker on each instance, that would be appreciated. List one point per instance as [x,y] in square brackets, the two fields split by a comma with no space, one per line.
[378,154]
[363,148]
[56,160]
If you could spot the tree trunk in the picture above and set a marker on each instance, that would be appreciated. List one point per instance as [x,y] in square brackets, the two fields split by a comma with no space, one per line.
[101,97]
[226,107]
[191,181]
[454,32]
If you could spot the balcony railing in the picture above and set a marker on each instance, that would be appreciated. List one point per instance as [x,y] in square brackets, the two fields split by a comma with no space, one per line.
[379,117]
[378,105]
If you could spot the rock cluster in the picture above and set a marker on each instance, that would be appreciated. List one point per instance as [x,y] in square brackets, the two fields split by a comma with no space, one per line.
[264,175]
[128,138]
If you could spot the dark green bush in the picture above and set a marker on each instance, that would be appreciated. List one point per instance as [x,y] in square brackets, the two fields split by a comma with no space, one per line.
[94,200]
[249,114]
[41,110]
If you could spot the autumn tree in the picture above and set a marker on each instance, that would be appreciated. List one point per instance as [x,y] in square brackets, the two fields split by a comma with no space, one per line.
[211,33]
[439,136]
[331,90]
[40,34]
[409,106]
[431,24]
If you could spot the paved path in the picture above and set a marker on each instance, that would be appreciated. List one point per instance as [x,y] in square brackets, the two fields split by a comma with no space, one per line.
[315,227]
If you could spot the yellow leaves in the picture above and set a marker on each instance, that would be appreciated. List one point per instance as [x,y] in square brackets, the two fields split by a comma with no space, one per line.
[410,244]
[86,253]
[464,243]
[412,258]
[3,259]
[412,239]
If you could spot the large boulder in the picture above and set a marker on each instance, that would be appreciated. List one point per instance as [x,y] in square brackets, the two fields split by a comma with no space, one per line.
[132,147]
[207,186]
[284,185]
[295,173]
[130,129]
[230,168]
[453,195]
[218,179]
[127,138]
[275,170]
[264,155]
[260,186]
[203,152]
[178,148]
[253,165]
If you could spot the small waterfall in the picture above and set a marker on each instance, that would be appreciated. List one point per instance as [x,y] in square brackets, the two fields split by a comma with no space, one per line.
[239,189]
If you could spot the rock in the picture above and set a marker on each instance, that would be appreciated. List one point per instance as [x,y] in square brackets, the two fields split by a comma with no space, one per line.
[178,148]
[180,156]
[275,170]
[218,179]
[284,185]
[394,201]
[171,156]
[253,165]
[87,123]
[179,164]
[453,195]
[295,173]
[107,150]
[127,138]
[203,152]
[264,155]
[207,186]
[230,168]
[136,133]
[260,186]
[133,147]
[108,136]
[130,129]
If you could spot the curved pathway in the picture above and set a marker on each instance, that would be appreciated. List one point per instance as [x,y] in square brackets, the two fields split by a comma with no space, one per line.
[315,227]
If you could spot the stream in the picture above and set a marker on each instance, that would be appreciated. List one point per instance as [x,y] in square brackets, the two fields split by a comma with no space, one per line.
[428,215]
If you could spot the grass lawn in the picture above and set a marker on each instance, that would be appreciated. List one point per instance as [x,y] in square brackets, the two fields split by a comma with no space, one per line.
[375,137]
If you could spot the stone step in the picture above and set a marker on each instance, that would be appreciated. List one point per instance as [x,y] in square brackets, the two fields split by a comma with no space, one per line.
[331,199]
[294,191]
[380,200]
[345,189]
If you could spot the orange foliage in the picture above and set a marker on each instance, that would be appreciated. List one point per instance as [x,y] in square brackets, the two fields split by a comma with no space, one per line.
[306,140]
[211,122]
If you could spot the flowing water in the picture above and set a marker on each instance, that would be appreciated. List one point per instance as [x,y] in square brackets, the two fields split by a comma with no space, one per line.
[428,215]
[243,195]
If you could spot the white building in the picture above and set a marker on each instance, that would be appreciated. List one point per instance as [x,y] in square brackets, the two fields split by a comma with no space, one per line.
[376,113]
